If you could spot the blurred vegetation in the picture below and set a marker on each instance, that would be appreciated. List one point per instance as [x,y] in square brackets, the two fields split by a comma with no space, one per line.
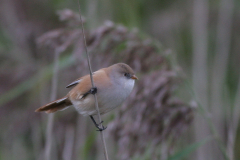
[200,36]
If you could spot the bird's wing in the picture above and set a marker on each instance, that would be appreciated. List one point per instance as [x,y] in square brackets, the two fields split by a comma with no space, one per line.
[74,83]
[83,88]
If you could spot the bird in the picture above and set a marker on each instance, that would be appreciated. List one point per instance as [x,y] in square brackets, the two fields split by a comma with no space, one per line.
[112,84]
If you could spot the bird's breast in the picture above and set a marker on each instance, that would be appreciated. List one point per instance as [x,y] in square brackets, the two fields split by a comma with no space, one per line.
[115,95]
[109,97]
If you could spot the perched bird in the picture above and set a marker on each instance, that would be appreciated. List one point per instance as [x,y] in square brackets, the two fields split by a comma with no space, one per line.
[113,85]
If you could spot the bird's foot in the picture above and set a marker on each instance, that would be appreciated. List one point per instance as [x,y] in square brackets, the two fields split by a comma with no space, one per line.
[101,128]
[93,90]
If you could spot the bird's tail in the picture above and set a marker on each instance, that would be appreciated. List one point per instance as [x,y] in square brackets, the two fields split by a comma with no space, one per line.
[56,105]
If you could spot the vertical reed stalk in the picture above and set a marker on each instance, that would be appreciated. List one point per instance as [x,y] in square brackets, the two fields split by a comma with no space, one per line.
[200,71]
[95,95]
[234,124]
[49,137]
[69,143]
[219,72]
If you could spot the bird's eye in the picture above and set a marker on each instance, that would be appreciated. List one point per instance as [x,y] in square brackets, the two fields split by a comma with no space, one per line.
[127,75]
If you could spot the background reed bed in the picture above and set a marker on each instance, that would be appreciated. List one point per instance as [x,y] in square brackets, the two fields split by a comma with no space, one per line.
[185,105]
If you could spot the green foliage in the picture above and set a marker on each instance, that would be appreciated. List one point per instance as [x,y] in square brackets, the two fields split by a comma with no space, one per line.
[188,150]
[86,150]
[45,74]
[145,156]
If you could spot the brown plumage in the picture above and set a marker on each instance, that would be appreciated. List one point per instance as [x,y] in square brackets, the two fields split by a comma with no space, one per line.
[56,105]
[113,84]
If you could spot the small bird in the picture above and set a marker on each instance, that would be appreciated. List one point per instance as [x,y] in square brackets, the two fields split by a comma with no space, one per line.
[112,85]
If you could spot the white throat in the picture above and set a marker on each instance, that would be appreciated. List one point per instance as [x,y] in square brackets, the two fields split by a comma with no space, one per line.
[125,86]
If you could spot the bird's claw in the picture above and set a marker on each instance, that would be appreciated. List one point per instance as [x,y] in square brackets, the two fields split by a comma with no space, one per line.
[99,126]
[93,90]
[101,129]
[100,123]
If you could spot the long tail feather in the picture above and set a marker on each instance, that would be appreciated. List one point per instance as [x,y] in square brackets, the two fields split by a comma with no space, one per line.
[56,105]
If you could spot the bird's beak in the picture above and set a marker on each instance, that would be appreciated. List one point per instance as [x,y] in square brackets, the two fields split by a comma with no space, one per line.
[134,77]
